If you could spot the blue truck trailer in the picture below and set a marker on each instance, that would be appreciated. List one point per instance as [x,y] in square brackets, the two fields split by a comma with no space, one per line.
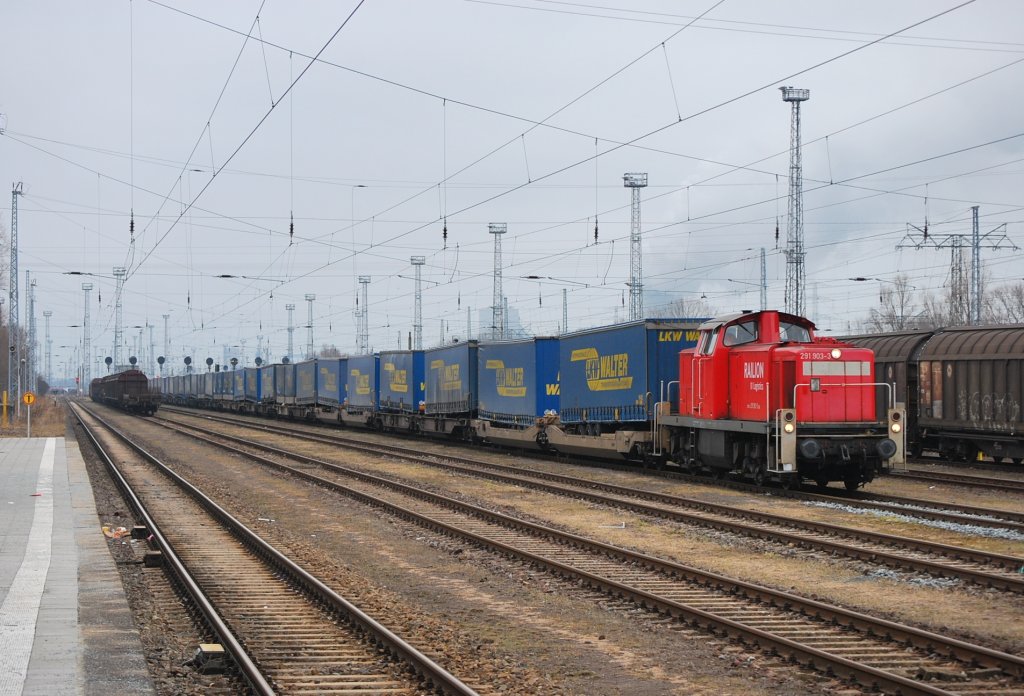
[518,381]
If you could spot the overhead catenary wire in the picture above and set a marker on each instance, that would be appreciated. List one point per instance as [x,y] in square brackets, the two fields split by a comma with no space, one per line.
[249,136]
[732,167]
[221,133]
[660,129]
[207,129]
[1011,47]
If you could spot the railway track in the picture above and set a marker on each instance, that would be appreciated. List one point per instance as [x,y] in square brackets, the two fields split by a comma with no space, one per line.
[874,652]
[283,629]
[942,512]
[981,567]
[945,477]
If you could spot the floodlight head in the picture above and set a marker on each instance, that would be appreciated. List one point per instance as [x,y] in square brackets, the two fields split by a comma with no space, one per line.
[497,228]
[792,94]
[310,297]
[289,306]
[87,286]
[417,260]
[364,279]
[120,271]
[634,179]
[47,313]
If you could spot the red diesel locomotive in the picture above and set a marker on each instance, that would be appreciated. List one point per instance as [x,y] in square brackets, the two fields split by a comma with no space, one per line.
[761,396]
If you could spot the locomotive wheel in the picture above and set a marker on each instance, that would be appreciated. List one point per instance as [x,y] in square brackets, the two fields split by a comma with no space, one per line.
[851,485]
[821,483]
[759,476]
[791,483]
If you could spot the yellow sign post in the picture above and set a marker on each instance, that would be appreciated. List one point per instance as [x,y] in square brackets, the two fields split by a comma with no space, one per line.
[29,398]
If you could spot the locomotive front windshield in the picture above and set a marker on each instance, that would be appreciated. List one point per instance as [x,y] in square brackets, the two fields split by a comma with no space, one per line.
[793,333]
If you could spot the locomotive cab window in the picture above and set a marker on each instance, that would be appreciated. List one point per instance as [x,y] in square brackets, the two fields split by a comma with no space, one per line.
[739,334]
[708,341]
[794,333]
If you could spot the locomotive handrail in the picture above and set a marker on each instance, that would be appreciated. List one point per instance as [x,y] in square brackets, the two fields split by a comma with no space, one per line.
[892,397]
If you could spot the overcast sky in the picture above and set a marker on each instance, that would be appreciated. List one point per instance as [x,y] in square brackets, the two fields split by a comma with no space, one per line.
[491,112]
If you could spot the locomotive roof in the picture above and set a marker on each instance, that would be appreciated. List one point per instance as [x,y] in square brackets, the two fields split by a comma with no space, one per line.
[726,318]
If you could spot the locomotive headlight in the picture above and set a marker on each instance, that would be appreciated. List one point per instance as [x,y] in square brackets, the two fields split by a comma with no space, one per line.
[836,353]
[896,427]
[789,427]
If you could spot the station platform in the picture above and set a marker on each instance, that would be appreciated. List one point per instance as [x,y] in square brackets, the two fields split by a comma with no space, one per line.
[65,625]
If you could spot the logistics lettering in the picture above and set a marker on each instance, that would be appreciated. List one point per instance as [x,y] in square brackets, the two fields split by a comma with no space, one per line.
[510,381]
[362,382]
[327,377]
[450,376]
[604,372]
[676,336]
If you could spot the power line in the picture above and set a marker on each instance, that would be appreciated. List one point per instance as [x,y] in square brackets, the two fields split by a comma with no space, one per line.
[641,147]
[753,31]
[249,136]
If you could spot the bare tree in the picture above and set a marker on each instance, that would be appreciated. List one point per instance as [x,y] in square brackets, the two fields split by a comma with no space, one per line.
[1005,305]
[897,310]
[329,351]
[936,312]
[686,308]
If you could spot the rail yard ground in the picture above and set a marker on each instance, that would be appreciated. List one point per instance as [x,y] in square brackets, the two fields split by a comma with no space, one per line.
[524,629]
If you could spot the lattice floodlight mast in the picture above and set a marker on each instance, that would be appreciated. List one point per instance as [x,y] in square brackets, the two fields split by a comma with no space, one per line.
[635,181]
[49,347]
[498,303]
[14,355]
[119,275]
[291,330]
[795,272]
[86,340]
[965,295]
[309,342]
[417,321]
[364,319]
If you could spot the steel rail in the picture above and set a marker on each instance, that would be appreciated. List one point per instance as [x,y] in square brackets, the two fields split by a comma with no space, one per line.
[915,637]
[1012,581]
[960,479]
[427,669]
[925,509]
[246,666]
